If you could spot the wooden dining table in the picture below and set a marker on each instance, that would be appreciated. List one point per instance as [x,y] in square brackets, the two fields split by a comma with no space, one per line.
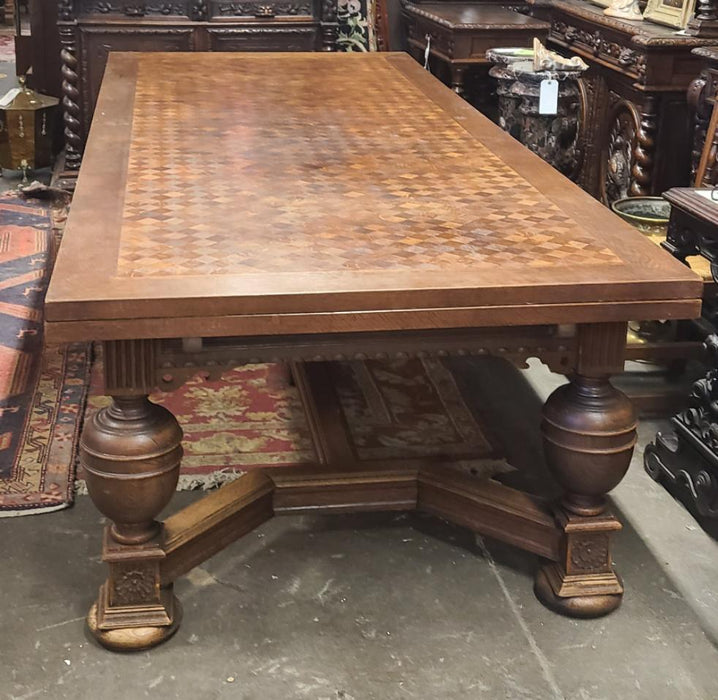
[313,208]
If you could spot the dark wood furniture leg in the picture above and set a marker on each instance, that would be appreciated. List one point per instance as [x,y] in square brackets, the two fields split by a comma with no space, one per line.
[458,73]
[589,431]
[130,452]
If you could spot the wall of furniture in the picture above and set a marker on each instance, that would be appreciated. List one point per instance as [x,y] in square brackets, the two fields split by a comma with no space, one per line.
[90,29]
[637,131]
[459,34]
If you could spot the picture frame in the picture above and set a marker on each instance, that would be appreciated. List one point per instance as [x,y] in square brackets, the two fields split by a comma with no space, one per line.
[673,13]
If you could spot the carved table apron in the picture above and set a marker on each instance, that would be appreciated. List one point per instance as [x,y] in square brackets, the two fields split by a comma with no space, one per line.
[237,208]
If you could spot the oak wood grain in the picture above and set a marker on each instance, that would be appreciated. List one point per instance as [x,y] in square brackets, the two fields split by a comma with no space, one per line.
[317,215]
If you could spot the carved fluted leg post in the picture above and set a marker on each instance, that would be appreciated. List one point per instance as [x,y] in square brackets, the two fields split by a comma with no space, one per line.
[589,430]
[130,452]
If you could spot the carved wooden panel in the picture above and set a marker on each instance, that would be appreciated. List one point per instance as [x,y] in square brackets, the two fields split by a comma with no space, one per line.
[136,9]
[284,37]
[262,8]
[593,96]
[97,42]
[617,159]
[644,65]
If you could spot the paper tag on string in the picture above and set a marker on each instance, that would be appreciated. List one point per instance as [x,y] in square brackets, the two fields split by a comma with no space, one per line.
[548,97]
[426,51]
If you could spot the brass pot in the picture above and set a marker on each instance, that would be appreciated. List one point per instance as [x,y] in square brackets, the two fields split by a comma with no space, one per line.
[648,214]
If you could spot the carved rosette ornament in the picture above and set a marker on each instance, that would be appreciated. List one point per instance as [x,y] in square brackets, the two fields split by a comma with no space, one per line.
[589,554]
[618,160]
[133,584]
[198,11]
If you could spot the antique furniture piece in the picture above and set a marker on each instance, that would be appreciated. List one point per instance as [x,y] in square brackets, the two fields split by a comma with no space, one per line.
[673,13]
[709,152]
[40,58]
[687,456]
[553,137]
[283,230]
[636,139]
[701,99]
[89,30]
[26,130]
[459,35]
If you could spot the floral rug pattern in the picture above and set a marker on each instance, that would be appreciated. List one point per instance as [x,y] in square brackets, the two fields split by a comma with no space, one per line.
[253,417]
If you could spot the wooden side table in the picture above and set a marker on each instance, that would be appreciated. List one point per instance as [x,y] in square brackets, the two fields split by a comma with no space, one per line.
[459,34]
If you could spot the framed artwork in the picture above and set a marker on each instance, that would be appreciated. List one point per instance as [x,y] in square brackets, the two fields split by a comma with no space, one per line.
[674,13]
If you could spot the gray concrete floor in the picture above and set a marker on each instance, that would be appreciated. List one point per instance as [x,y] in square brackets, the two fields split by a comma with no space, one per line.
[378,606]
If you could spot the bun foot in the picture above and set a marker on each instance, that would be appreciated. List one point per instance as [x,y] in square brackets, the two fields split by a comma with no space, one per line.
[133,638]
[582,606]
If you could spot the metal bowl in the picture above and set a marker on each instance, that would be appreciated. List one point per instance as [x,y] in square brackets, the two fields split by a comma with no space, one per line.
[648,214]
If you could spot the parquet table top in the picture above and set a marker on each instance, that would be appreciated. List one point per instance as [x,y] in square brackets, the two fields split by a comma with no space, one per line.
[383,182]
[221,184]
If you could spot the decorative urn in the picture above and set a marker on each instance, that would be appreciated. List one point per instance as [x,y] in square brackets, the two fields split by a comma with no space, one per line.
[26,130]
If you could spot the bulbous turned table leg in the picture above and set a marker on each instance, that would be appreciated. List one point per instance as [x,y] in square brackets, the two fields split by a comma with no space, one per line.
[131,452]
[589,431]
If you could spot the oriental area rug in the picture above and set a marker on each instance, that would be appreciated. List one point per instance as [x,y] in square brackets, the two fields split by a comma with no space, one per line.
[42,394]
[253,417]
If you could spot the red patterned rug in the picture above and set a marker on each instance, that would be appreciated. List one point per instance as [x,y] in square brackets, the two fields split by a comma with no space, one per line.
[253,417]
[41,393]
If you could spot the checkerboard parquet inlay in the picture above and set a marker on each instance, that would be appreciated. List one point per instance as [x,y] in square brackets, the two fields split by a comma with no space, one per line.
[327,184]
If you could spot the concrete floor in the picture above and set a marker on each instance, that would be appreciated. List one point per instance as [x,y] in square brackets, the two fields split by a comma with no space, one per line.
[378,606]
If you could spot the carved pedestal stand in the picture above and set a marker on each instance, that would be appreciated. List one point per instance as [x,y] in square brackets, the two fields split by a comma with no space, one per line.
[131,453]
[552,137]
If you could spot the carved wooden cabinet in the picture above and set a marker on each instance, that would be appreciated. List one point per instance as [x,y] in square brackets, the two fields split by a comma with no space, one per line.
[90,29]
[459,34]
[701,99]
[637,133]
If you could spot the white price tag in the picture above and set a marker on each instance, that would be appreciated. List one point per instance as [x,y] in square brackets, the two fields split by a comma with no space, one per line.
[548,97]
